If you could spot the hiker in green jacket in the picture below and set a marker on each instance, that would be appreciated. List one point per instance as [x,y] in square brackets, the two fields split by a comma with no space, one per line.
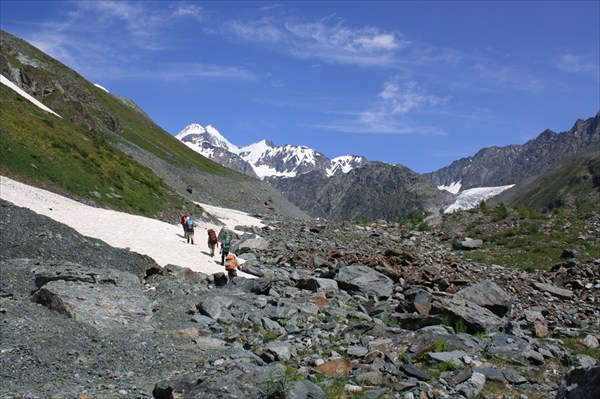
[225,247]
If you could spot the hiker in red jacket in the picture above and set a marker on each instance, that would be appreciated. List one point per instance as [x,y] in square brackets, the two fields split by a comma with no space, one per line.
[184,219]
[212,241]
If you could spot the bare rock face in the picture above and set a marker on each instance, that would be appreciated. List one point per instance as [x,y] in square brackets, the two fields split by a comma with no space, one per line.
[489,295]
[103,299]
[581,383]
[366,280]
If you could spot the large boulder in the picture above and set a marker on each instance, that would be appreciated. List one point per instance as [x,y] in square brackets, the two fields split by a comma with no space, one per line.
[475,317]
[580,383]
[489,295]
[99,305]
[249,243]
[365,280]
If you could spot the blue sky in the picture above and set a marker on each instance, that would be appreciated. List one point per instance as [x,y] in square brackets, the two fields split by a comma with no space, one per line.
[420,84]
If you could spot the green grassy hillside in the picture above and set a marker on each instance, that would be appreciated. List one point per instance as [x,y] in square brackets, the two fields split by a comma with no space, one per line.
[575,182]
[77,154]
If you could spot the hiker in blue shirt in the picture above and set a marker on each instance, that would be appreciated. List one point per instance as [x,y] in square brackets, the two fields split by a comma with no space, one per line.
[189,231]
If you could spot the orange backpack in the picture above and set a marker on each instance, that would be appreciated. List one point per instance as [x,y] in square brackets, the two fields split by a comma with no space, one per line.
[231,262]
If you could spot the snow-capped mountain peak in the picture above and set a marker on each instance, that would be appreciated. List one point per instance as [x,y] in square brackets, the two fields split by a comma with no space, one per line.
[345,164]
[263,158]
[196,134]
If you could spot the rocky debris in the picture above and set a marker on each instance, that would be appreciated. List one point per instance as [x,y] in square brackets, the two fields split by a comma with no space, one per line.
[581,383]
[339,310]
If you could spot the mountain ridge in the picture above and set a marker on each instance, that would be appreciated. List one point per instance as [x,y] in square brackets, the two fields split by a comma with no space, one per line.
[499,166]
[263,158]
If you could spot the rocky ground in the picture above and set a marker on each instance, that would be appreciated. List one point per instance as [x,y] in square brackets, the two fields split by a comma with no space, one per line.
[337,311]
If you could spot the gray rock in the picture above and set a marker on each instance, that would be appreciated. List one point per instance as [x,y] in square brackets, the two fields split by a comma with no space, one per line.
[320,284]
[508,345]
[473,386]
[276,350]
[455,357]
[489,295]
[69,271]
[365,280]
[305,389]
[490,373]
[580,383]
[216,307]
[554,290]
[203,320]
[475,317]
[249,243]
[514,377]
[99,305]
[467,244]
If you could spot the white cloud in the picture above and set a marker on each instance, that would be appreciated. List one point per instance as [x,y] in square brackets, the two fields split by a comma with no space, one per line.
[324,40]
[400,99]
[395,113]
[574,63]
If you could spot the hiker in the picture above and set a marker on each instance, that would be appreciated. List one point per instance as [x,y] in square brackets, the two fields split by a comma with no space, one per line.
[232,265]
[212,241]
[184,219]
[225,246]
[189,231]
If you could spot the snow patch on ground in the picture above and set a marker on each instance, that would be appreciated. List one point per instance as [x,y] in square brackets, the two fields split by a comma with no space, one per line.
[163,242]
[16,88]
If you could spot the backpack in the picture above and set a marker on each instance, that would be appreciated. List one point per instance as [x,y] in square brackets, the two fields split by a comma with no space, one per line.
[190,225]
[230,263]
[212,236]
[227,243]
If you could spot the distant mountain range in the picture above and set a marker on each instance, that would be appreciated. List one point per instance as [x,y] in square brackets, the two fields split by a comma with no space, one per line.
[263,159]
[350,187]
[347,187]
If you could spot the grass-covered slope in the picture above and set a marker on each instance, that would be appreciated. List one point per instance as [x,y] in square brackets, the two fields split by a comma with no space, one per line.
[77,154]
[575,182]
[526,239]
[45,150]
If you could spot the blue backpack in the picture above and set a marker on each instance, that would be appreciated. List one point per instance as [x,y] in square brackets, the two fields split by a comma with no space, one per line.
[190,225]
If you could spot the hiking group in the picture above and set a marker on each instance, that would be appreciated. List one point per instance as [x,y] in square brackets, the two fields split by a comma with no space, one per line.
[228,259]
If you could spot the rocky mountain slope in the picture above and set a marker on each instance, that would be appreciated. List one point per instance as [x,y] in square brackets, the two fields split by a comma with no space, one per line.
[374,191]
[499,166]
[337,311]
[573,182]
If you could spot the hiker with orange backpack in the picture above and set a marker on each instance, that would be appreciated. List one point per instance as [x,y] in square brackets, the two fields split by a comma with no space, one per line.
[212,241]
[232,265]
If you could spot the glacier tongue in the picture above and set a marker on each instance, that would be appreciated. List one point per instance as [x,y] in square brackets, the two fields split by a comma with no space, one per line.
[472,197]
